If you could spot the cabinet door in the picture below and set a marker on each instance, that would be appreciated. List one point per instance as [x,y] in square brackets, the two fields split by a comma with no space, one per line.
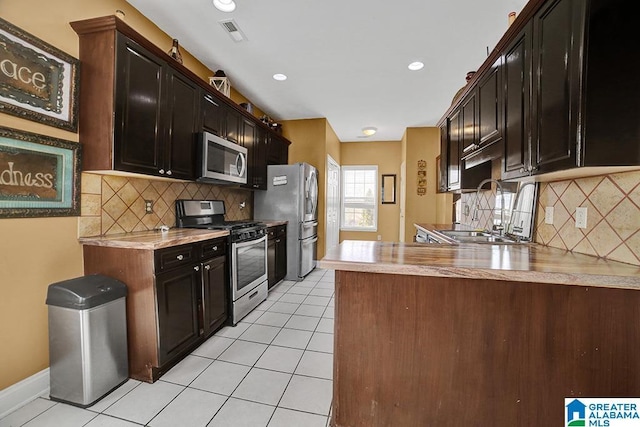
[249,141]
[489,106]
[277,150]
[453,166]
[444,160]
[281,257]
[177,304]
[233,123]
[182,112]
[557,44]
[213,117]
[260,160]
[139,128]
[469,141]
[271,259]
[517,71]
[214,294]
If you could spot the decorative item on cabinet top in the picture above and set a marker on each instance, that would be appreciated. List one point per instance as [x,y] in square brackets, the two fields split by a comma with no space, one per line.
[221,82]
[38,82]
[174,52]
[39,175]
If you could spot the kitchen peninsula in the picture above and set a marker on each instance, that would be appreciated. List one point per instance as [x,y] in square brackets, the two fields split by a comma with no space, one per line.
[478,334]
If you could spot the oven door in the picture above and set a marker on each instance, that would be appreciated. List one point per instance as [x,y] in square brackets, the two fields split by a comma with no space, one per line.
[248,265]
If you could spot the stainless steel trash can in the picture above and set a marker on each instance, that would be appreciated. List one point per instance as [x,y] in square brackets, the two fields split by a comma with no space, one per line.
[87,338]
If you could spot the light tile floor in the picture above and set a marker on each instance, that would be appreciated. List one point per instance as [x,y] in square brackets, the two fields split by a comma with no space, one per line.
[274,369]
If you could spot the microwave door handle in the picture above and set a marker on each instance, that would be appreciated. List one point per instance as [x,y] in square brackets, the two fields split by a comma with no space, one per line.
[240,158]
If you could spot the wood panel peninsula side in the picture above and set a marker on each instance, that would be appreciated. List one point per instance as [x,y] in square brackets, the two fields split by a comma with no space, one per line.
[478,334]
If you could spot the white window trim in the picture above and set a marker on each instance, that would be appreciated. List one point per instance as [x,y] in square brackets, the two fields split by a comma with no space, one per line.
[344,168]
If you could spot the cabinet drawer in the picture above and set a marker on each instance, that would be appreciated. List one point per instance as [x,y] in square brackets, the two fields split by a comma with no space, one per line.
[281,230]
[276,231]
[177,256]
[213,248]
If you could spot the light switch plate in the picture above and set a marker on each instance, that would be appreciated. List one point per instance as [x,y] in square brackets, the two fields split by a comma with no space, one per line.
[548,215]
[581,217]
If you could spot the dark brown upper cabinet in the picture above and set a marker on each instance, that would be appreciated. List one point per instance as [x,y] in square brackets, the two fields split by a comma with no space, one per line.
[277,150]
[213,116]
[557,35]
[453,153]
[143,112]
[443,166]
[468,141]
[516,107]
[489,104]
[559,90]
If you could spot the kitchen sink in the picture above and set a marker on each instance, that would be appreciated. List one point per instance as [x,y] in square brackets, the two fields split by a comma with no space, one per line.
[464,233]
[475,236]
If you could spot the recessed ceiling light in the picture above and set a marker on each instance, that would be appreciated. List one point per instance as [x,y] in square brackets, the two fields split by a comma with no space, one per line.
[280,77]
[370,130]
[415,66]
[225,5]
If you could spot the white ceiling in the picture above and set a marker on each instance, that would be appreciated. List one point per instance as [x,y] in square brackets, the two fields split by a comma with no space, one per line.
[345,60]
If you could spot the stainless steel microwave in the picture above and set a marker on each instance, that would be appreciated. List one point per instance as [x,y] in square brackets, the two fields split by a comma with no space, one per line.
[221,161]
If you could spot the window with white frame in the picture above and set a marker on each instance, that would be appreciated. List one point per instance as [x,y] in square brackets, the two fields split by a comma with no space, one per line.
[359,198]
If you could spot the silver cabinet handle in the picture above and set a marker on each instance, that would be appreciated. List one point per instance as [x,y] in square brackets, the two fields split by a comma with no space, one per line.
[196,268]
[180,257]
[161,171]
[168,172]
[469,148]
[277,240]
[207,267]
[215,248]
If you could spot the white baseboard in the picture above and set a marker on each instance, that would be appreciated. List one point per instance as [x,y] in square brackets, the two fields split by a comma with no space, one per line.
[19,394]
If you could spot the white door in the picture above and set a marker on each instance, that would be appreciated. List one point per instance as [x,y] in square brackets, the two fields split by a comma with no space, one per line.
[333,203]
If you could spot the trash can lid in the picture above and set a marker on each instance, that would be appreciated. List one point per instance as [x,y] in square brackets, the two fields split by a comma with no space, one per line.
[85,292]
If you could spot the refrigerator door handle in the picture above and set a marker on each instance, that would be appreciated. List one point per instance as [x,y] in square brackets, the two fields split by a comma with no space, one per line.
[315,239]
[314,193]
[310,224]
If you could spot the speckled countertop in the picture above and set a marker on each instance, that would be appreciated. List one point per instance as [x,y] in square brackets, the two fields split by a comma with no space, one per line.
[522,262]
[272,222]
[154,239]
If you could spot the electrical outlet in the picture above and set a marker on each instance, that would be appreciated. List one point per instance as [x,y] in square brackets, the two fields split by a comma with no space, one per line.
[379,237]
[148,206]
[581,217]
[548,215]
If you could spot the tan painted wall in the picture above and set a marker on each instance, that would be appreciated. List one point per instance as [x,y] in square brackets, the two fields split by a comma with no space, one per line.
[387,156]
[37,252]
[421,144]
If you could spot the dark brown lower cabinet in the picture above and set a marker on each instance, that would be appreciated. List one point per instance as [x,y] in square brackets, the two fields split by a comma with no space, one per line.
[214,294]
[177,300]
[446,352]
[276,254]
[177,297]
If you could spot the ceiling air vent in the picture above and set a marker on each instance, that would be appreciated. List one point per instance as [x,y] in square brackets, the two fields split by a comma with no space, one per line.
[231,27]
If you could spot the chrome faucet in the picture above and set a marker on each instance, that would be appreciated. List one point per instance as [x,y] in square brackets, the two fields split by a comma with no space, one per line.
[474,217]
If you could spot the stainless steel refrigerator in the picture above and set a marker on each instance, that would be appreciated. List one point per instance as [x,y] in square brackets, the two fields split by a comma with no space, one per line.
[292,195]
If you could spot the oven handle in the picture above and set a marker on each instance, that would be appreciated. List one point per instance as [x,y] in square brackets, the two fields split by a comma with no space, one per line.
[251,242]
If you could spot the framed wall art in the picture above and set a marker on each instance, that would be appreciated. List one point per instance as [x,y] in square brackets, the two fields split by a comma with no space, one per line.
[37,81]
[39,175]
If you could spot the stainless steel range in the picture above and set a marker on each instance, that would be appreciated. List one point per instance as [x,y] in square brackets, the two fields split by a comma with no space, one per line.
[248,255]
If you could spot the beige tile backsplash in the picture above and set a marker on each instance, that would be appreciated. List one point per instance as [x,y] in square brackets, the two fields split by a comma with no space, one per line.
[113,204]
[613,216]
